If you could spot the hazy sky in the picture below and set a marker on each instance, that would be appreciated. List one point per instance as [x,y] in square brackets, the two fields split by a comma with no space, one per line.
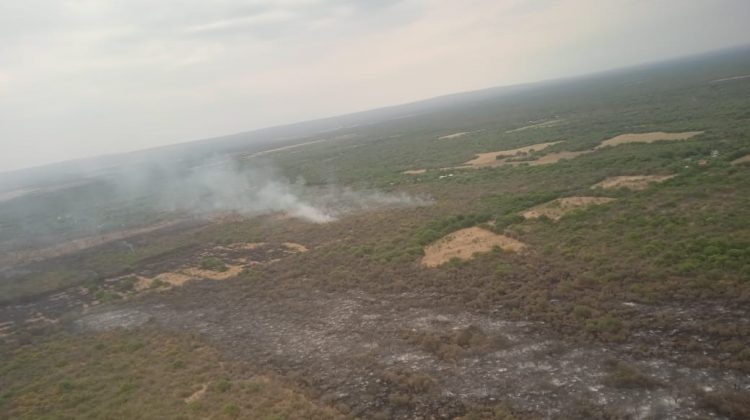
[86,77]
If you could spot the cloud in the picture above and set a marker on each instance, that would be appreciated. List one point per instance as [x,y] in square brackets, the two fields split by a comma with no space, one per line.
[93,76]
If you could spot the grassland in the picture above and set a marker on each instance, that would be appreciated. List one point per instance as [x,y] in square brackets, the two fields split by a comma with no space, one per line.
[141,375]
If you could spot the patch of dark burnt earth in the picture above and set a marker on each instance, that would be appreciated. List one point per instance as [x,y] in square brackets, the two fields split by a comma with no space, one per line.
[365,354]
[706,333]
[78,261]
[167,260]
[258,253]
[20,320]
[36,313]
[112,320]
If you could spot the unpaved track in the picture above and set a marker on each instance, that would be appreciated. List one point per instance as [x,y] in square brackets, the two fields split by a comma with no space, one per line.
[339,345]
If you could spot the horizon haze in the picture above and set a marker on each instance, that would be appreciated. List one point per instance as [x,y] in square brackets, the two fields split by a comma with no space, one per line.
[83,79]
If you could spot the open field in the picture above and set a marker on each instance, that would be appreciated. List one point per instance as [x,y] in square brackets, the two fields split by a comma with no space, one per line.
[463,244]
[634,182]
[423,292]
[558,208]
[491,158]
[648,138]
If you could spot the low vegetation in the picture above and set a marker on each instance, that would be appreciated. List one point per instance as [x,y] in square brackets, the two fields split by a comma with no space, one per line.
[143,374]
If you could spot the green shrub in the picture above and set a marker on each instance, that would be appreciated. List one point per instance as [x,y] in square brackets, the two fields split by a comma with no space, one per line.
[223,385]
[213,264]
[231,410]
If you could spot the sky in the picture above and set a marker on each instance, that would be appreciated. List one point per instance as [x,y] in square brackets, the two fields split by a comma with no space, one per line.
[81,78]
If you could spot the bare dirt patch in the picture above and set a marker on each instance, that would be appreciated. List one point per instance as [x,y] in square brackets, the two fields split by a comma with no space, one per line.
[743,159]
[491,158]
[295,247]
[414,172]
[142,283]
[247,245]
[552,158]
[237,257]
[280,149]
[729,79]
[542,124]
[556,209]
[454,135]
[635,182]
[647,138]
[180,277]
[197,395]
[464,243]
[170,279]
[198,273]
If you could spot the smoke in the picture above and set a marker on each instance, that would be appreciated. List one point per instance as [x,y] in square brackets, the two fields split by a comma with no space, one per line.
[224,185]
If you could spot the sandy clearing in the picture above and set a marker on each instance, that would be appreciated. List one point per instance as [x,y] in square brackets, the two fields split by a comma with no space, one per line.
[179,278]
[454,135]
[543,160]
[728,79]
[142,283]
[173,279]
[552,158]
[511,157]
[542,124]
[295,247]
[491,158]
[635,182]
[197,395]
[198,273]
[647,138]
[743,159]
[249,246]
[414,172]
[556,209]
[465,243]
[280,149]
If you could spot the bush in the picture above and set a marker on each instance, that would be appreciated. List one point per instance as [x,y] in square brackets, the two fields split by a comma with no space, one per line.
[622,375]
[582,311]
[223,385]
[213,264]
[158,283]
[603,324]
[231,410]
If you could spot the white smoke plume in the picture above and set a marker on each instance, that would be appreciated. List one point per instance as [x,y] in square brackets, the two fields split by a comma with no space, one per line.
[227,186]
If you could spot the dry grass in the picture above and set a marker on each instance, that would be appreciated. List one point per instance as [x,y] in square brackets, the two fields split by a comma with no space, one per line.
[198,273]
[553,158]
[414,172]
[295,247]
[543,124]
[454,135]
[743,159]
[635,182]
[464,243]
[167,279]
[140,374]
[556,209]
[732,404]
[248,246]
[491,158]
[647,138]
